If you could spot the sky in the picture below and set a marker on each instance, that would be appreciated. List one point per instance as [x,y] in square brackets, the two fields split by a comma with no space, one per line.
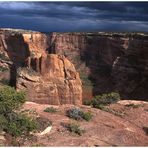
[74,16]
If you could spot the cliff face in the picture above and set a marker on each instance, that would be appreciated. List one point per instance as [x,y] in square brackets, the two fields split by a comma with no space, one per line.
[130,71]
[106,61]
[47,78]
[93,55]
[58,82]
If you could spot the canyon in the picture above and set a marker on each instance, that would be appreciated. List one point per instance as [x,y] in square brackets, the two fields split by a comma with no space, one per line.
[59,71]
[61,68]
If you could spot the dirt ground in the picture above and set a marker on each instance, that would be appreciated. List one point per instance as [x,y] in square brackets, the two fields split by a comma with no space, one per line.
[124,124]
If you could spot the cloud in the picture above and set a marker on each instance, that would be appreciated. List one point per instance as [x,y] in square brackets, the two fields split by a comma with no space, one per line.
[75,16]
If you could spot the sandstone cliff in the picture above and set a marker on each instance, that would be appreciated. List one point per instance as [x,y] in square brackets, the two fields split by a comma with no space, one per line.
[57,83]
[106,61]
[47,78]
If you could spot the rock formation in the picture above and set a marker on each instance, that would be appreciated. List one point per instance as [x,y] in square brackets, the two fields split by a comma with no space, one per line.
[130,71]
[56,83]
[106,61]
[46,78]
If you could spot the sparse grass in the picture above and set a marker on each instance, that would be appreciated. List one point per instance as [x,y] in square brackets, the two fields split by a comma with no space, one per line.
[114,112]
[77,114]
[50,110]
[75,128]
[134,105]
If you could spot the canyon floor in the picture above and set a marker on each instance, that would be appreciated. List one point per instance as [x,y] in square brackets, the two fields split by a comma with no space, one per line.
[125,124]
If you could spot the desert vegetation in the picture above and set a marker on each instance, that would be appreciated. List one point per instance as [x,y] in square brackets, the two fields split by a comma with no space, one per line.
[134,105]
[3,57]
[74,127]
[50,110]
[14,123]
[77,114]
[3,69]
[100,101]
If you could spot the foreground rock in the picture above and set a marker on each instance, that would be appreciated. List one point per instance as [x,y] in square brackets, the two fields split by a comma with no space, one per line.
[123,127]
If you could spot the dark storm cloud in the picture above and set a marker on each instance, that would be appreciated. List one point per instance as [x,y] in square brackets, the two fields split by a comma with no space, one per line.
[75,16]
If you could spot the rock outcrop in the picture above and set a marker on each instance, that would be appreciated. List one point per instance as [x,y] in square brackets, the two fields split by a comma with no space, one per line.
[57,82]
[106,61]
[125,124]
[46,78]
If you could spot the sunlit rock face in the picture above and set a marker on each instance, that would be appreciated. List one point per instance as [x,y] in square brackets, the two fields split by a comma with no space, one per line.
[57,82]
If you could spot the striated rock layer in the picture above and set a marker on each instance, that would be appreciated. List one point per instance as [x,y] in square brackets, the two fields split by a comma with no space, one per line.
[46,78]
[106,61]
[56,83]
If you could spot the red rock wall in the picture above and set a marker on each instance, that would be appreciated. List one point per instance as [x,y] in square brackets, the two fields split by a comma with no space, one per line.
[106,61]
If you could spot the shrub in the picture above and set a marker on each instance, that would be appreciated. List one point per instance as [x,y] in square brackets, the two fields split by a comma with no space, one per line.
[105,99]
[10,121]
[3,69]
[78,114]
[75,128]
[3,122]
[10,99]
[50,110]
[86,116]
[74,113]
[20,124]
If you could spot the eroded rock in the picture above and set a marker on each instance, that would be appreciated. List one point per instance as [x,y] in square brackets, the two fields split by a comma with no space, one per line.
[56,83]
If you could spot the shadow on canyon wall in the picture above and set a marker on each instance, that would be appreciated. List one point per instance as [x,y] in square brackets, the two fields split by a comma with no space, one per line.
[18,51]
[98,55]
[100,68]
[100,61]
